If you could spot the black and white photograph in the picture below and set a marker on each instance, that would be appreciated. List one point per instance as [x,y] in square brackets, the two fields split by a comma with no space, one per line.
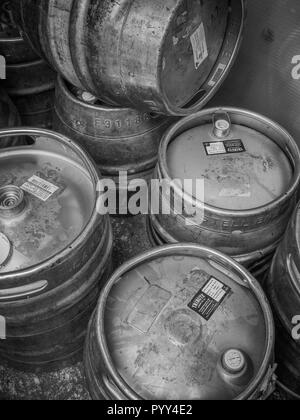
[149,203]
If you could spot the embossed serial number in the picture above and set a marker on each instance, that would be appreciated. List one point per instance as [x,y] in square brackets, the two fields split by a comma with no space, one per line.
[102,123]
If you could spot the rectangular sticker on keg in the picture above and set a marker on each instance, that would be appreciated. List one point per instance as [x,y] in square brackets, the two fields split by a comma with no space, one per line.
[224,147]
[148,308]
[39,188]
[209,298]
[236,191]
[198,40]
[217,74]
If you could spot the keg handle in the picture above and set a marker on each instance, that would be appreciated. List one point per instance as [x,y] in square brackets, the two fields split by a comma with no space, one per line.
[42,134]
[23,291]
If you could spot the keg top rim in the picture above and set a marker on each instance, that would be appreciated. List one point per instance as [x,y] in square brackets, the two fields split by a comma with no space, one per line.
[181,250]
[251,120]
[81,160]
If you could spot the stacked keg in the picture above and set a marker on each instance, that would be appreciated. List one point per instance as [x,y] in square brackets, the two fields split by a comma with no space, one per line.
[120,140]
[29,80]
[169,58]
[55,249]
[251,172]
[283,289]
[181,322]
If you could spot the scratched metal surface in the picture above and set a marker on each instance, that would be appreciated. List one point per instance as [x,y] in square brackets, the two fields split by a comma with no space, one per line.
[69,383]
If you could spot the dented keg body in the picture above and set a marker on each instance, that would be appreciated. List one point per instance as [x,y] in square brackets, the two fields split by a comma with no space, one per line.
[166,329]
[169,58]
[266,75]
[283,290]
[250,174]
[55,249]
[118,139]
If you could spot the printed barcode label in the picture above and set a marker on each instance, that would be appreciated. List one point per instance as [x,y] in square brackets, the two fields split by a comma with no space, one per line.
[200,50]
[215,148]
[217,74]
[224,147]
[209,298]
[2,328]
[215,290]
[39,188]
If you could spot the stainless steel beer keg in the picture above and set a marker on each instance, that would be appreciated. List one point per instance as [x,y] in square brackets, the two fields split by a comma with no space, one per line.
[249,167]
[283,290]
[55,249]
[181,322]
[118,139]
[165,56]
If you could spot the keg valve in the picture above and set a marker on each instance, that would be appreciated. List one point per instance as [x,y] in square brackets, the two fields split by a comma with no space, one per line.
[221,125]
[12,201]
[234,361]
[236,368]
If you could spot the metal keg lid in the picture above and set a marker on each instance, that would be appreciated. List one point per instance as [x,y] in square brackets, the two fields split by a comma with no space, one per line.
[47,198]
[192,47]
[242,168]
[183,322]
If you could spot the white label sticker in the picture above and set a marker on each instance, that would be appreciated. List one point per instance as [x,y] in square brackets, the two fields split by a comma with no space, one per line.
[2,328]
[215,290]
[217,74]
[242,191]
[215,148]
[198,40]
[40,188]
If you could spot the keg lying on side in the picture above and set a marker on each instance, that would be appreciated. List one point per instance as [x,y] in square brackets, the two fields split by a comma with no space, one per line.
[250,168]
[181,322]
[283,289]
[266,74]
[55,249]
[118,139]
[165,56]
[9,117]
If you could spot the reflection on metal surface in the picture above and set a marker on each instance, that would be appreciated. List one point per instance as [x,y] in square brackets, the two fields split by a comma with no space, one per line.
[250,177]
[149,344]
[56,249]
[172,65]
